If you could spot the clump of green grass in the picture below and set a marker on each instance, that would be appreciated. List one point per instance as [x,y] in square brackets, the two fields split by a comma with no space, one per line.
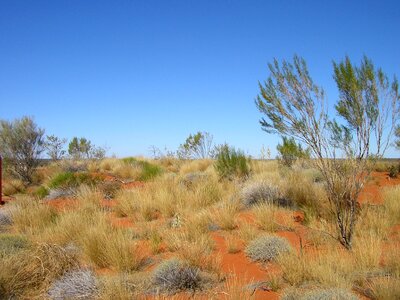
[267,248]
[149,170]
[129,160]
[41,192]
[69,179]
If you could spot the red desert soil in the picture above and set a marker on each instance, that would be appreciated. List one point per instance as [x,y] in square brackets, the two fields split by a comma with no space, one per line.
[62,204]
[372,192]
[238,265]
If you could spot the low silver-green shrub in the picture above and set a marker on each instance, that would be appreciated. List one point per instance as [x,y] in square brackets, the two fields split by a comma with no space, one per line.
[267,248]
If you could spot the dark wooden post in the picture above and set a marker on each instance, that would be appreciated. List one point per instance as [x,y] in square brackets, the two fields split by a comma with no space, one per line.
[1,181]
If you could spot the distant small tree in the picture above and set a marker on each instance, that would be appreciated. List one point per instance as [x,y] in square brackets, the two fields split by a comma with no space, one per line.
[21,144]
[264,153]
[79,148]
[289,151]
[82,148]
[368,106]
[199,145]
[55,147]
[97,152]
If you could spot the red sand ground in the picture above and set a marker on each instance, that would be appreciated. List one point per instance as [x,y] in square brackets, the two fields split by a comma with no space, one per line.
[372,190]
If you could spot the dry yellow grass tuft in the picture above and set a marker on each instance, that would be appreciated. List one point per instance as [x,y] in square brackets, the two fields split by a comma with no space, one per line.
[12,187]
[198,165]
[233,245]
[28,273]
[391,195]
[225,215]
[32,217]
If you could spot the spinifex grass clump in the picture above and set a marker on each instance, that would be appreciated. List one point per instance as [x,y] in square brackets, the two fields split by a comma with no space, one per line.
[27,273]
[320,294]
[267,248]
[109,189]
[174,275]
[75,284]
[260,192]
[11,243]
[5,218]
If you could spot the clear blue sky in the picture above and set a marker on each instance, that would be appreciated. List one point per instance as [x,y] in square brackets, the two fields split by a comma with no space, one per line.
[130,74]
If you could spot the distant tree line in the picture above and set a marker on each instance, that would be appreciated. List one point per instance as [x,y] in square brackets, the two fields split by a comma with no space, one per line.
[22,144]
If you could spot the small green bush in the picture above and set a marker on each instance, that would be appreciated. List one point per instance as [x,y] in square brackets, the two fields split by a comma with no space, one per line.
[149,171]
[129,160]
[394,171]
[289,152]
[173,276]
[267,248]
[41,192]
[69,179]
[231,163]
[62,180]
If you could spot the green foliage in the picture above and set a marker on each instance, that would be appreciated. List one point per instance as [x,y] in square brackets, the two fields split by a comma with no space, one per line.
[368,108]
[394,171]
[21,144]
[231,163]
[199,145]
[79,148]
[11,243]
[289,152]
[129,160]
[69,179]
[149,170]
[54,146]
[41,192]
[397,134]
